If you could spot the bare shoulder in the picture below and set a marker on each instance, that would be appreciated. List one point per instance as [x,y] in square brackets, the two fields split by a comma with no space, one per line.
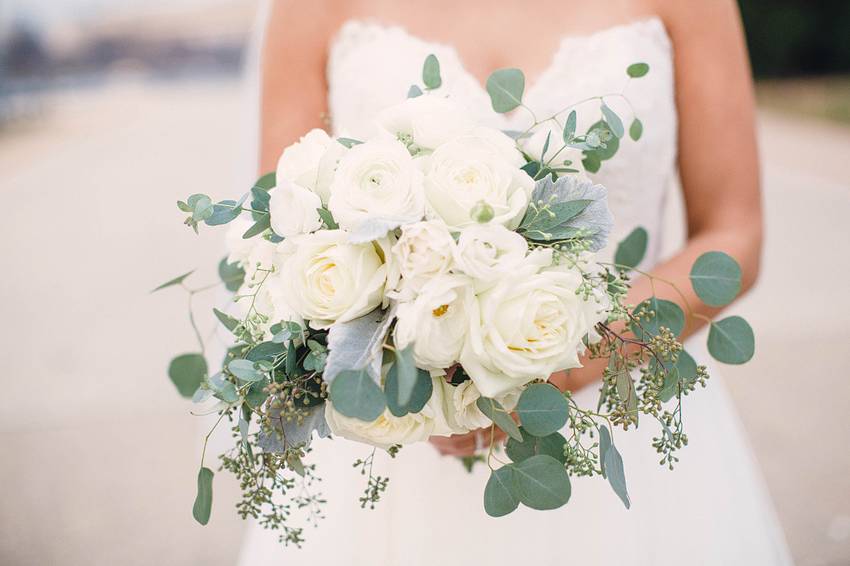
[697,19]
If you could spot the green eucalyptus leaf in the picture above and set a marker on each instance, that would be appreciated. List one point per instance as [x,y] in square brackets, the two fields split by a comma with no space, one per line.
[265,351]
[267,181]
[613,121]
[405,369]
[355,394]
[414,91]
[616,475]
[632,249]
[423,388]
[258,227]
[636,129]
[228,321]
[231,274]
[506,87]
[591,162]
[665,313]
[244,370]
[637,70]
[731,340]
[431,72]
[604,446]
[223,389]
[223,212]
[499,497]
[349,142]
[685,369]
[176,281]
[570,127]
[187,372]
[541,482]
[552,445]
[716,278]
[624,387]
[494,411]
[203,500]
[542,409]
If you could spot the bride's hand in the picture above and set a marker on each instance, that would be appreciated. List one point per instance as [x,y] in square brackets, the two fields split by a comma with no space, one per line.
[466,444]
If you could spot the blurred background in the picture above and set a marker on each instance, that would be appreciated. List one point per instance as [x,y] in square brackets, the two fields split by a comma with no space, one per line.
[113,109]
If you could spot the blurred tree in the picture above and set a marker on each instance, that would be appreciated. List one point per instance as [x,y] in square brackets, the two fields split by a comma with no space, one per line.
[794,37]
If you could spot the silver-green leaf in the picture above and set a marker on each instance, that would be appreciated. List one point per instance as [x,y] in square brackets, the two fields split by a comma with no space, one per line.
[731,340]
[506,87]
[499,497]
[632,249]
[716,278]
[203,499]
[431,72]
[542,482]
[355,394]
[542,409]
[494,411]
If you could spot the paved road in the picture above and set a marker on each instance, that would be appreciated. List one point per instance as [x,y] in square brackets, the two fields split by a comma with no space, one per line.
[99,456]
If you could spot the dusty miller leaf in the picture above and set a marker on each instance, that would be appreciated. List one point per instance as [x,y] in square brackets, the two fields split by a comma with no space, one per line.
[357,344]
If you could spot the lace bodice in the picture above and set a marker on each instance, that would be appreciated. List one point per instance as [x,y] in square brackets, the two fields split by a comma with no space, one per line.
[371,66]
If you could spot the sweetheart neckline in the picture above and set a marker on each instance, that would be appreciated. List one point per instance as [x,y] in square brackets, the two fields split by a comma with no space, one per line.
[531,86]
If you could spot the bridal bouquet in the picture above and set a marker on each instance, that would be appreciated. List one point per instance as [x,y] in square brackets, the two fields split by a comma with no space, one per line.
[427,281]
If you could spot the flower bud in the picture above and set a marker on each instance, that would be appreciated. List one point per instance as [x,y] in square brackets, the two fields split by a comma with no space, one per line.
[482,212]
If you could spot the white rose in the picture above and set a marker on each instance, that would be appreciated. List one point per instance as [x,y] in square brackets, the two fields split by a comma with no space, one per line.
[310,162]
[482,167]
[436,321]
[425,121]
[327,279]
[462,412]
[376,179]
[425,249]
[388,429]
[529,327]
[293,209]
[488,253]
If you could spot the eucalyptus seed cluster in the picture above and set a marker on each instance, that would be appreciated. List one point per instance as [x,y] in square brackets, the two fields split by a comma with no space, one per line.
[375,485]
[408,142]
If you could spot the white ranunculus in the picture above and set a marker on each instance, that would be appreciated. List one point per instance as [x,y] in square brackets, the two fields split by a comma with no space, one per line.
[479,168]
[376,179]
[488,253]
[310,161]
[463,414]
[436,322]
[327,279]
[529,327]
[388,429]
[425,121]
[293,209]
[424,250]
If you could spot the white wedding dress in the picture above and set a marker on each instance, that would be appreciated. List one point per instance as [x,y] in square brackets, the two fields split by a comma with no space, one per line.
[711,510]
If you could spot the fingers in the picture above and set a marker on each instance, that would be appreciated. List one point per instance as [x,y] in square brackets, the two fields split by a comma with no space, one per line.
[466,444]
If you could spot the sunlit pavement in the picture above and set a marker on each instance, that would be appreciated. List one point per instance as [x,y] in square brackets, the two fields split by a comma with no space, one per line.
[99,454]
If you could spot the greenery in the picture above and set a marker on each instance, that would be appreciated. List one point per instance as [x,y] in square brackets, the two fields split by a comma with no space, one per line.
[276,380]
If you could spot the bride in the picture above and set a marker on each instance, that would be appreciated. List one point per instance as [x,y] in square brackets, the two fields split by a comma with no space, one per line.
[334,64]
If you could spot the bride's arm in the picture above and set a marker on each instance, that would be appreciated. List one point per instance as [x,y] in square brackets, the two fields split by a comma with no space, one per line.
[718,159]
[292,69]
[718,163]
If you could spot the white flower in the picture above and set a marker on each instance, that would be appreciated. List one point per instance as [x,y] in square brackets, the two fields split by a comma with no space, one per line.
[310,162]
[293,209]
[436,322]
[376,179]
[327,279]
[425,249]
[480,168]
[388,429]
[488,253]
[463,414]
[529,327]
[425,121]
